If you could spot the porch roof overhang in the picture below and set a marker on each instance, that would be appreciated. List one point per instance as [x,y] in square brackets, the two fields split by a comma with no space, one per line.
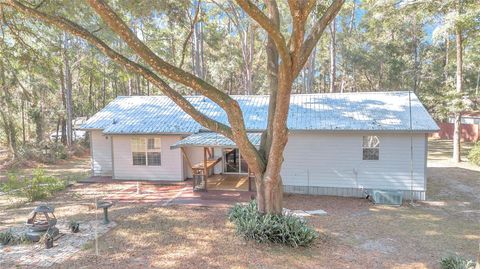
[211,139]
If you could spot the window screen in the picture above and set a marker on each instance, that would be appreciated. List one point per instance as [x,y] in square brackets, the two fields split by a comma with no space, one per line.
[138,151]
[139,158]
[138,145]
[154,158]
[371,147]
[154,143]
[146,151]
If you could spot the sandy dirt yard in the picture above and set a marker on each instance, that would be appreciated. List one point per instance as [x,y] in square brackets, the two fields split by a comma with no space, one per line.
[355,233]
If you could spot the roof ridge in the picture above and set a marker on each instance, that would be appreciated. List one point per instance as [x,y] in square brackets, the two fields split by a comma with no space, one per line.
[267,95]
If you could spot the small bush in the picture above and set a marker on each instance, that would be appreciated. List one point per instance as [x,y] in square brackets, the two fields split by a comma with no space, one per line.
[36,187]
[474,154]
[6,237]
[36,152]
[281,229]
[454,262]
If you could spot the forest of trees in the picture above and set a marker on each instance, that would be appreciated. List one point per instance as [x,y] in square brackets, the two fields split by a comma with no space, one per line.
[49,77]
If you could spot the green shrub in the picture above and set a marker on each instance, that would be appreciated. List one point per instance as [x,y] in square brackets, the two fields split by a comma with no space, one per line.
[36,152]
[281,229]
[36,187]
[454,262]
[474,154]
[6,237]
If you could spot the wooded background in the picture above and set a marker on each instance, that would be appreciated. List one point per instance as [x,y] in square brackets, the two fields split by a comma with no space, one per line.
[48,77]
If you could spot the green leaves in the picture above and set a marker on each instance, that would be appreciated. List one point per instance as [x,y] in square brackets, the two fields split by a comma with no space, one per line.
[36,187]
[280,229]
[454,262]
[474,154]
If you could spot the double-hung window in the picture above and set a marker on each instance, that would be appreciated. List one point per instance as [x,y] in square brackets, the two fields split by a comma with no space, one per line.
[371,147]
[146,151]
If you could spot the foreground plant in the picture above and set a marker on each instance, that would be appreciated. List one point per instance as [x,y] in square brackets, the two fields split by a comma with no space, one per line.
[74,226]
[6,237]
[281,229]
[474,154]
[454,262]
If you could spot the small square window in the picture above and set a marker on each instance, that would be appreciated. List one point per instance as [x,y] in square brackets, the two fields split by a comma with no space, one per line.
[371,154]
[154,143]
[138,144]
[154,159]
[371,148]
[371,141]
[139,158]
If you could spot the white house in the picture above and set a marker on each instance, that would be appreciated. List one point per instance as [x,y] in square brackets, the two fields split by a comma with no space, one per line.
[339,144]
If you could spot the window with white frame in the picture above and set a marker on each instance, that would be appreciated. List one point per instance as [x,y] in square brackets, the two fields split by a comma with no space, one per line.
[146,151]
[371,147]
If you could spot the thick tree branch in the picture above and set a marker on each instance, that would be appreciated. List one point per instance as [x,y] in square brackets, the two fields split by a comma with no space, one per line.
[268,25]
[81,32]
[272,74]
[315,34]
[234,113]
[118,26]
[237,132]
[299,10]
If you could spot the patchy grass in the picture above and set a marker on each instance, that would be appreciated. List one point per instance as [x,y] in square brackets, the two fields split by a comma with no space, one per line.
[442,150]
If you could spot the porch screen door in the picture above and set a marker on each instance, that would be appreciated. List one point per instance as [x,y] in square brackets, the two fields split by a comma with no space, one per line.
[233,161]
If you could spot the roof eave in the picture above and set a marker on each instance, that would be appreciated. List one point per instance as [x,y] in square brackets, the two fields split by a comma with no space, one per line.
[155,133]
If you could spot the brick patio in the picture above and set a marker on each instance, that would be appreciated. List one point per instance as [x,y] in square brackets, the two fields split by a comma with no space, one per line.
[169,193]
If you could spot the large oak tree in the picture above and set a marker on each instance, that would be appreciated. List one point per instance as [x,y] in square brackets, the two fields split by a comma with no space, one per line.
[287,53]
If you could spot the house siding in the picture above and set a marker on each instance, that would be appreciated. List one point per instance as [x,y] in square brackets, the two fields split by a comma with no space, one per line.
[331,164]
[101,154]
[171,168]
[195,155]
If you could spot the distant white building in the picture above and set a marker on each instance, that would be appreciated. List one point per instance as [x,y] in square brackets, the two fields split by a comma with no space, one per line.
[467,118]
[339,144]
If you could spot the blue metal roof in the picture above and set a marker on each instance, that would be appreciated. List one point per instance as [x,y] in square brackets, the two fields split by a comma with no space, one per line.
[365,111]
[211,139]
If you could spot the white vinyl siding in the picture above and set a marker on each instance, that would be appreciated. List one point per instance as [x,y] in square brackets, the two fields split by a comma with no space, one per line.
[335,160]
[101,149]
[195,155]
[171,168]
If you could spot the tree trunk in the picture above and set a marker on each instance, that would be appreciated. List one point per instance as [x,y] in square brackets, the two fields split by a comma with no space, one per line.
[68,92]
[104,88]
[310,72]
[197,50]
[57,130]
[445,67]
[23,122]
[333,55]
[63,138]
[459,75]
[130,86]
[10,132]
[415,55]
